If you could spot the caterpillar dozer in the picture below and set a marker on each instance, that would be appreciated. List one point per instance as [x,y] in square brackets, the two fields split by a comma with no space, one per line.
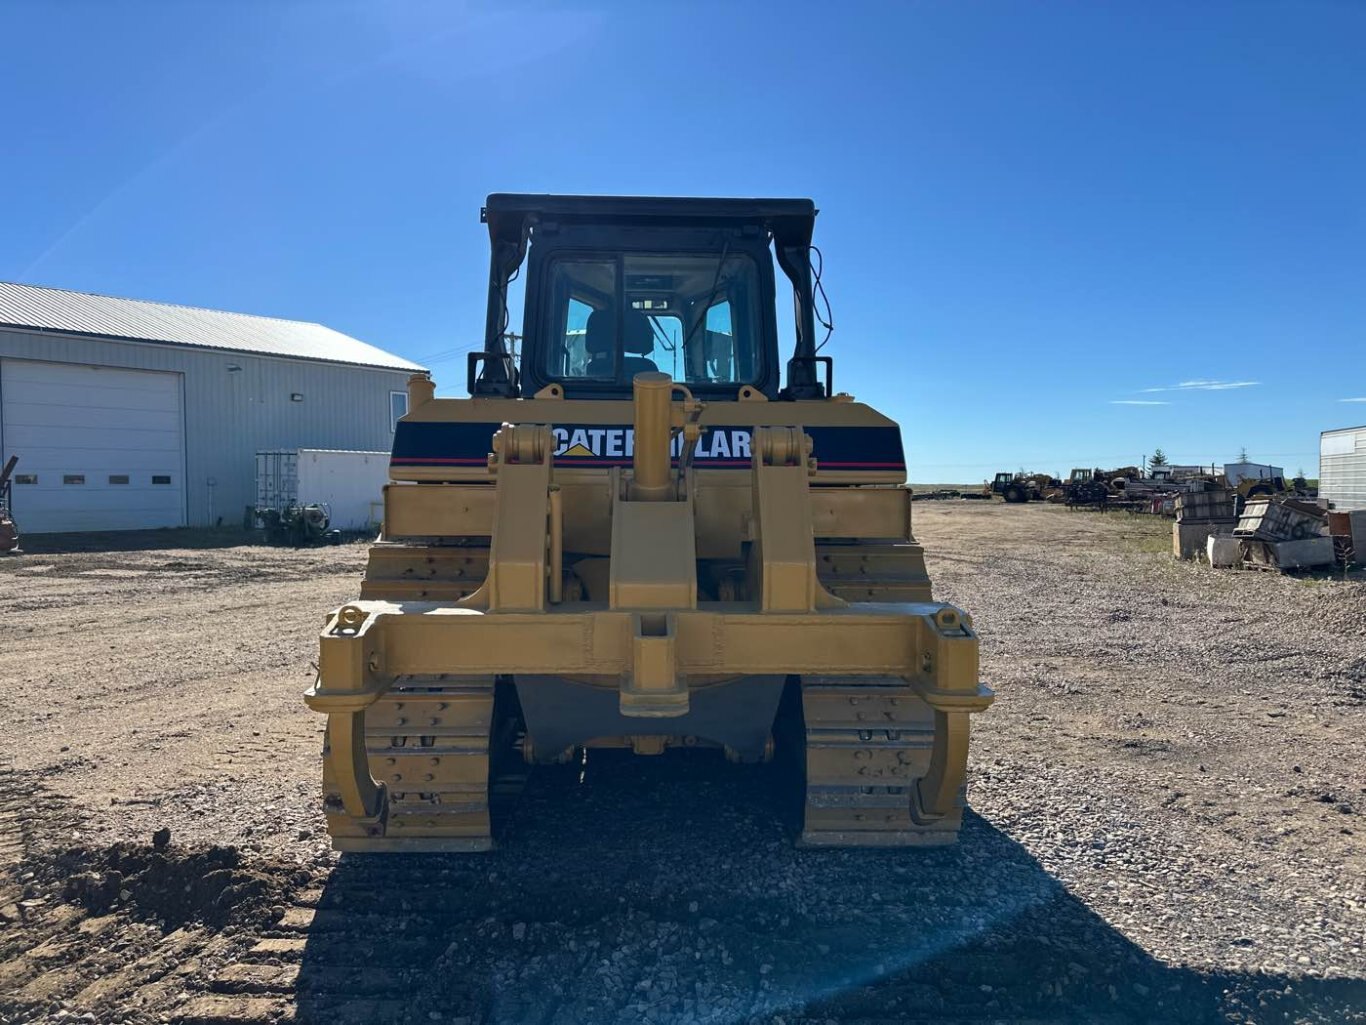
[634,535]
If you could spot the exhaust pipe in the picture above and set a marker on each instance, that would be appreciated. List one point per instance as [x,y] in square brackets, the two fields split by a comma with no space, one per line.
[653,479]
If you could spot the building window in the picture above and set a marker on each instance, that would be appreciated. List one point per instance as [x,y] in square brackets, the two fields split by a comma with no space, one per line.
[73,478]
[398,407]
[26,478]
[118,478]
[161,478]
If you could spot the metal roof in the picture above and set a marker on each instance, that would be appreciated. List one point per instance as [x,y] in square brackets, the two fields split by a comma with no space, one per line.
[57,309]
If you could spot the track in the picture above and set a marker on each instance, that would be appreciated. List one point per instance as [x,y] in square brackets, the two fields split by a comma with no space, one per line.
[866,745]
[445,747]
[428,740]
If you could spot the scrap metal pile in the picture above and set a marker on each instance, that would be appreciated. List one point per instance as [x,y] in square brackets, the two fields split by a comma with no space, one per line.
[1160,490]
[1276,533]
[1283,535]
[1129,488]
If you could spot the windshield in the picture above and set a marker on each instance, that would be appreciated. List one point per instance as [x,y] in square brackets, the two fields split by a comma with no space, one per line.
[695,318]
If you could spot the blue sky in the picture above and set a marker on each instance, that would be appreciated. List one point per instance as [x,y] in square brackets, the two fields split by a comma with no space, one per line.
[1055,234]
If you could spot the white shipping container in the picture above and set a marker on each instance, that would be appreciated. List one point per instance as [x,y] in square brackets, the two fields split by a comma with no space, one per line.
[1342,468]
[349,484]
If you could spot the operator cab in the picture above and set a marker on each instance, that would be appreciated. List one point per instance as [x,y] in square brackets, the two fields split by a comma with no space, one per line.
[620,285]
[604,317]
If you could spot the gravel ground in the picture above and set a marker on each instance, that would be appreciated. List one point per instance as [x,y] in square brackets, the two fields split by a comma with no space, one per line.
[1166,817]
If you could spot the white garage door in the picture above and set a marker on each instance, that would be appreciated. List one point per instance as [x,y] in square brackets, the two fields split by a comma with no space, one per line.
[100,448]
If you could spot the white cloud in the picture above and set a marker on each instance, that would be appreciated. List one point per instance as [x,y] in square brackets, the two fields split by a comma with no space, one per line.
[1139,402]
[1362,399]
[1205,386]
[1215,385]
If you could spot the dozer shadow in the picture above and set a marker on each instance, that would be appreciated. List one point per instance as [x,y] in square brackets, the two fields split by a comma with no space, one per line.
[668,889]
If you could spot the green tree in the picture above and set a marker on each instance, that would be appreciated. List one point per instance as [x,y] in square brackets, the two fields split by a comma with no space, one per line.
[1159,458]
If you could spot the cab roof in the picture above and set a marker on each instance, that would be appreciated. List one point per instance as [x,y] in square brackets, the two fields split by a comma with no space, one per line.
[790,220]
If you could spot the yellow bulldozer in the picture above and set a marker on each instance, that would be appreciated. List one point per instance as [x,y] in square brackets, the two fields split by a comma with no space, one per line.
[633,534]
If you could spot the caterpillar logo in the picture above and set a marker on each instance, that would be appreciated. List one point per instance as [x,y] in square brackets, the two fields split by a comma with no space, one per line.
[617,444]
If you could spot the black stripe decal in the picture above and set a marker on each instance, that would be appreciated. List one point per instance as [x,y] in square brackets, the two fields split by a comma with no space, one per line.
[447,444]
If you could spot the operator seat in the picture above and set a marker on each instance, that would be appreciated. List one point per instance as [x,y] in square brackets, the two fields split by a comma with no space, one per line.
[601,342]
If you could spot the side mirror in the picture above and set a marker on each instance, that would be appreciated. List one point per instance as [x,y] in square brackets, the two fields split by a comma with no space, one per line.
[491,382]
[813,362]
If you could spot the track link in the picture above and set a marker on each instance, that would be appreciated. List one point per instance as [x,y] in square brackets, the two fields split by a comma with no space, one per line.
[428,740]
[867,743]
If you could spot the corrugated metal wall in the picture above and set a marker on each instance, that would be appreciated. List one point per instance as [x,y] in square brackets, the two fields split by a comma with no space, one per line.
[1342,467]
[231,414]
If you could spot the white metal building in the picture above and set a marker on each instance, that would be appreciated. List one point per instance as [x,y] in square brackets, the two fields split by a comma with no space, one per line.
[1342,467]
[127,414]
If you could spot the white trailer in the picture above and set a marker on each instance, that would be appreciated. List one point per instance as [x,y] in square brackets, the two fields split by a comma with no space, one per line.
[1342,468]
[349,484]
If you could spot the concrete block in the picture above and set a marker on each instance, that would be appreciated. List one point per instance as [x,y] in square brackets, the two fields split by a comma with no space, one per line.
[1189,539]
[1224,552]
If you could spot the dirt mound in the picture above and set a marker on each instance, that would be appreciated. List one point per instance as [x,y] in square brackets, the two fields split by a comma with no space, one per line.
[168,885]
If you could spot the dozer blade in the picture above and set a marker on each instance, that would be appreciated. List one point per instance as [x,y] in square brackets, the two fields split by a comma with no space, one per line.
[868,743]
[428,744]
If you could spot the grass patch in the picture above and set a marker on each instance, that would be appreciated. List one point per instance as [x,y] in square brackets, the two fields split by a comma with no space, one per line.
[1143,533]
[1154,543]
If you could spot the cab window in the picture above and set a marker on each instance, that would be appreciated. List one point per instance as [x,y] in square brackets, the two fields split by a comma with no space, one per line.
[583,310]
[694,317]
